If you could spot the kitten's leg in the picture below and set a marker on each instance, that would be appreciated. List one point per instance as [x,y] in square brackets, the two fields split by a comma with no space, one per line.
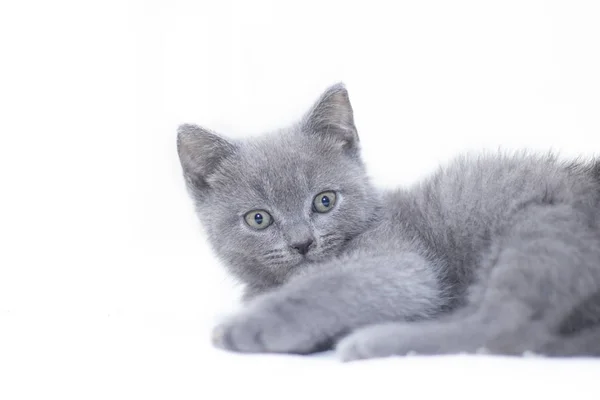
[311,311]
[582,344]
[545,264]
[435,337]
[579,333]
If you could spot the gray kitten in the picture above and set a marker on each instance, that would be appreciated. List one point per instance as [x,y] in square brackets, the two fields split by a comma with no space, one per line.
[495,253]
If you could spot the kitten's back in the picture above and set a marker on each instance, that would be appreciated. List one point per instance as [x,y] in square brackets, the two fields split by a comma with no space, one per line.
[458,210]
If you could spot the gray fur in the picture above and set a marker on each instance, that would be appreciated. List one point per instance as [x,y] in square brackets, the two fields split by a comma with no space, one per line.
[494,252]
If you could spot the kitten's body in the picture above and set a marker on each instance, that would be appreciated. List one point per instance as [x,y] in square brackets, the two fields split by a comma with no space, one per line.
[494,251]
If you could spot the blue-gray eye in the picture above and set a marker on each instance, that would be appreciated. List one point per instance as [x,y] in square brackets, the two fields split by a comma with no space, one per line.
[324,201]
[258,219]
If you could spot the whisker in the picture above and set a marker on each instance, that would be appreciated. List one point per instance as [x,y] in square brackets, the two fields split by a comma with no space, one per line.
[275,257]
[336,239]
[269,252]
[277,264]
[328,235]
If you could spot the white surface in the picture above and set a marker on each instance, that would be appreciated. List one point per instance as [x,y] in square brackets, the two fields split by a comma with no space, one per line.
[107,288]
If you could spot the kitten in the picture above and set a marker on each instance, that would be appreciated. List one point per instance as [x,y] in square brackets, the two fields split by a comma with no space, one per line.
[495,253]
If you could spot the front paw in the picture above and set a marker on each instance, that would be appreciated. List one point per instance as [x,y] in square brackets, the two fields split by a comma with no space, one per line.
[270,327]
[423,338]
[373,342]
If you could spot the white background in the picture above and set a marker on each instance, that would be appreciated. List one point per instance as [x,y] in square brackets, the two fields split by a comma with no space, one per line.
[107,288]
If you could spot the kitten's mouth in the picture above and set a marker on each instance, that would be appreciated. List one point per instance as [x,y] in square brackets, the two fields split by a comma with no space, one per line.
[313,258]
[297,260]
[302,259]
[306,259]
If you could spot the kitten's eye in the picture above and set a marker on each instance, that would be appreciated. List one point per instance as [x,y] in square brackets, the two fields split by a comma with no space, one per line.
[324,202]
[258,219]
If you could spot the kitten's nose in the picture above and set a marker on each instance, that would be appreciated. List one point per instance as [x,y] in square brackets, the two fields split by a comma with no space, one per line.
[302,248]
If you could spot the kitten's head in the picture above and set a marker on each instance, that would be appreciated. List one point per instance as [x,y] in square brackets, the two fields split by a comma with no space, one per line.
[273,203]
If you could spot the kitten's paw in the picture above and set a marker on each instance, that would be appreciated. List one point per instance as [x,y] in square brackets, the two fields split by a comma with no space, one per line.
[241,333]
[401,339]
[375,341]
[272,327]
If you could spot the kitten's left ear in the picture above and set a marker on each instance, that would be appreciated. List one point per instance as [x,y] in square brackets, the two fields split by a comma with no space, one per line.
[332,118]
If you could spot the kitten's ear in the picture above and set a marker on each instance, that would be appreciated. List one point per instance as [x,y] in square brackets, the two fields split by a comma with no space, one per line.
[200,153]
[332,118]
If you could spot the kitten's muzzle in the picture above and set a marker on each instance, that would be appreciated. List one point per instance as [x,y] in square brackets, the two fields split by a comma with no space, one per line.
[302,247]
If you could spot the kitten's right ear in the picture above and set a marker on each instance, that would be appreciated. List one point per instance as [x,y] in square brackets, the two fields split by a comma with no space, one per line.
[200,153]
[332,118]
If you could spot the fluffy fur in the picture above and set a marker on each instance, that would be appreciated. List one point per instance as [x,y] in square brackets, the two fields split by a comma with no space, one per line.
[494,253]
